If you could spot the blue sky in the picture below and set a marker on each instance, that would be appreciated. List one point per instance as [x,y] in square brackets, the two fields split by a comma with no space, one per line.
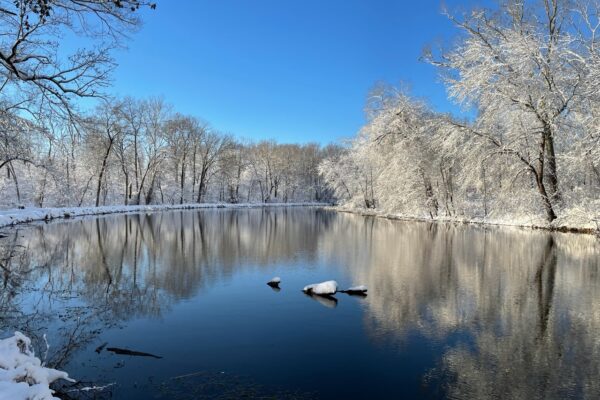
[293,71]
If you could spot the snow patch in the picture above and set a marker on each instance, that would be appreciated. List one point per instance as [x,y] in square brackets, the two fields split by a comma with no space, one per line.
[327,288]
[22,376]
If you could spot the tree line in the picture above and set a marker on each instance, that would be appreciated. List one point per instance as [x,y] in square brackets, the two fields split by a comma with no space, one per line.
[142,152]
[528,73]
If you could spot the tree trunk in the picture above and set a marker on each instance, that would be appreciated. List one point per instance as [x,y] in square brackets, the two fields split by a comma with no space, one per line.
[550,214]
[11,170]
[431,201]
[237,184]
[182,179]
[194,173]
[136,161]
[102,169]
[551,171]
[87,186]
[150,193]
[141,187]
[126,189]
[202,184]
[539,177]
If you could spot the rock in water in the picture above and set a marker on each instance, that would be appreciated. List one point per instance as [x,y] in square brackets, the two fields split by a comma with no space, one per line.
[356,290]
[327,288]
[274,282]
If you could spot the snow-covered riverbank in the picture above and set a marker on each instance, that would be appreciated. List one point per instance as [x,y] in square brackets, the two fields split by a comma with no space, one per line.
[13,217]
[22,375]
[582,224]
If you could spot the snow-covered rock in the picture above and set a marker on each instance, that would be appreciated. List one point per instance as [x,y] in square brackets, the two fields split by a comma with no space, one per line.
[356,289]
[22,376]
[327,288]
[274,281]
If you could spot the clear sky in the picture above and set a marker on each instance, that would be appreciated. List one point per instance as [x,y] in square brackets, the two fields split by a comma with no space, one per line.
[294,71]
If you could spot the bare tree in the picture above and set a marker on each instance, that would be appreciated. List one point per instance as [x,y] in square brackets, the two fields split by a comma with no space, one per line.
[104,132]
[33,65]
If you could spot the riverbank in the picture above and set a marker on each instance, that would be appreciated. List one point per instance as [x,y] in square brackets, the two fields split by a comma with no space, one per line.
[12,217]
[24,376]
[588,228]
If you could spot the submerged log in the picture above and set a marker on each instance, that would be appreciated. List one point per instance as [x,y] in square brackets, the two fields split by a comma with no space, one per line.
[101,347]
[127,352]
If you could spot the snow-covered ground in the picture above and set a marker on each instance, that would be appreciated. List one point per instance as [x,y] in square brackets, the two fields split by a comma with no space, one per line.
[22,374]
[19,216]
[574,222]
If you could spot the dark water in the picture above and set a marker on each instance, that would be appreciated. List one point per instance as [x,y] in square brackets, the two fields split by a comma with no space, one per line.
[452,312]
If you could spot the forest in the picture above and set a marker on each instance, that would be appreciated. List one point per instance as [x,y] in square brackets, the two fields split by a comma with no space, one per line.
[525,149]
[134,152]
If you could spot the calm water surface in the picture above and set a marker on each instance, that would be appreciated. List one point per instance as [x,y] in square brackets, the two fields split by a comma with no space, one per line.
[452,312]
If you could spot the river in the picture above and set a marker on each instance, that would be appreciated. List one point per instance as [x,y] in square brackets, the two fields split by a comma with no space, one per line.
[452,311]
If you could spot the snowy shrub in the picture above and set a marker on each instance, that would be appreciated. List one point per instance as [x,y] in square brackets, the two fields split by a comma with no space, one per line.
[22,374]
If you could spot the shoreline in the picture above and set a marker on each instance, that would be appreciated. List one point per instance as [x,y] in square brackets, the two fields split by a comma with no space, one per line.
[398,217]
[15,216]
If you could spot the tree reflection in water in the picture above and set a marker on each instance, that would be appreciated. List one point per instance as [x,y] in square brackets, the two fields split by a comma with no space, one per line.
[522,307]
[525,303]
[74,279]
